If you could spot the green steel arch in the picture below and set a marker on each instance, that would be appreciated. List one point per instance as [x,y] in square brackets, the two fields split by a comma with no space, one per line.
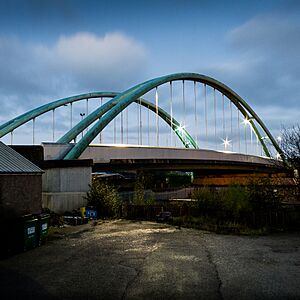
[181,132]
[124,99]
[183,135]
[9,126]
[24,118]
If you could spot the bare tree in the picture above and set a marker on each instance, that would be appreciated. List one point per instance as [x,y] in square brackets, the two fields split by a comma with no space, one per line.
[290,145]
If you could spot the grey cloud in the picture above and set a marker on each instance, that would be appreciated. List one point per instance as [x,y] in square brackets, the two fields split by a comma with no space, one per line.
[271,34]
[264,67]
[17,68]
[33,74]
[112,61]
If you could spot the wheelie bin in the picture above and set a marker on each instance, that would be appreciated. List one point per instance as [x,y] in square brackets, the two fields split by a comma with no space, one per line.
[29,238]
[43,228]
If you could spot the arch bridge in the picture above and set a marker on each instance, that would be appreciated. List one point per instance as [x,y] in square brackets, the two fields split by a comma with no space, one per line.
[183,110]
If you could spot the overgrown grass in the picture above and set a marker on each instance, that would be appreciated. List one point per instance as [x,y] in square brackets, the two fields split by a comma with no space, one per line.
[211,224]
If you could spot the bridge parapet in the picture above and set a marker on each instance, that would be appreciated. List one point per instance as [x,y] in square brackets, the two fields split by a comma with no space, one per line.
[106,153]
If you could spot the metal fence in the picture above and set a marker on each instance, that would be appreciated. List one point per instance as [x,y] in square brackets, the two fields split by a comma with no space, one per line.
[286,217]
[184,193]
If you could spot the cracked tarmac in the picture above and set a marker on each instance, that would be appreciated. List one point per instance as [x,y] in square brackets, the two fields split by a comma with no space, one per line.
[143,260]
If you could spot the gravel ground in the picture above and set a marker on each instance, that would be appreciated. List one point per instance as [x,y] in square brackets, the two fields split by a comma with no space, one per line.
[143,260]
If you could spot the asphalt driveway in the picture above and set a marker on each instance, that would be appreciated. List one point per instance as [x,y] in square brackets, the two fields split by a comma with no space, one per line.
[143,260]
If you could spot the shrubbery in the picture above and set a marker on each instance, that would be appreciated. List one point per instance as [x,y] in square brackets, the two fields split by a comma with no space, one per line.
[139,196]
[263,195]
[235,200]
[206,199]
[258,205]
[139,190]
[104,198]
[257,195]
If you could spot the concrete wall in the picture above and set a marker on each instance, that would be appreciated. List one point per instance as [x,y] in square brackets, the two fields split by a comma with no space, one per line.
[55,150]
[64,188]
[67,179]
[20,195]
[61,202]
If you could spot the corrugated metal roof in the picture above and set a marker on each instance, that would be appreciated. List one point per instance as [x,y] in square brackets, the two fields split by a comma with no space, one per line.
[13,162]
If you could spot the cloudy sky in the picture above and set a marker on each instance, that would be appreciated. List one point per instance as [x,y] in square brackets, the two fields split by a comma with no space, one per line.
[58,48]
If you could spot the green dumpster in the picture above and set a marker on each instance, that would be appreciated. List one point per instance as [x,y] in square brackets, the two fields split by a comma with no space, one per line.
[30,232]
[43,228]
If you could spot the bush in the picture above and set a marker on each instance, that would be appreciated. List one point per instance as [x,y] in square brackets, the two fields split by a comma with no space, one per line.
[150,198]
[140,197]
[139,190]
[263,195]
[206,199]
[105,198]
[235,200]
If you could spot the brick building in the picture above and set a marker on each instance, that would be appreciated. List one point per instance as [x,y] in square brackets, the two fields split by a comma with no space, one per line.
[20,185]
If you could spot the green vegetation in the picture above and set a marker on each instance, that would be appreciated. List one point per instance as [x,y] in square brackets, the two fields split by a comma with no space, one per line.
[253,209]
[236,200]
[139,190]
[259,194]
[263,195]
[178,179]
[104,198]
[212,224]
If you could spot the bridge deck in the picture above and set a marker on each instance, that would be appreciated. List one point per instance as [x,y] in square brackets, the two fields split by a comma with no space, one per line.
[112,157]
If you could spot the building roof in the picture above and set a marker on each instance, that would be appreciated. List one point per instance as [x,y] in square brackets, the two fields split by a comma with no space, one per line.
[11,162]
